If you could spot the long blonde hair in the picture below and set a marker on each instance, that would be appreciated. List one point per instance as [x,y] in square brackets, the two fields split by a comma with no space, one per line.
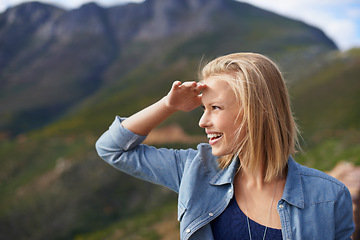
[268,132]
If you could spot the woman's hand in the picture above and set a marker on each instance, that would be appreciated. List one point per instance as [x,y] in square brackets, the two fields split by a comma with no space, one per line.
[184,96]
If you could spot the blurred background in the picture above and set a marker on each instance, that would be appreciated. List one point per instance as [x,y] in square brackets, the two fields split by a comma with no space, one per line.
[68,67]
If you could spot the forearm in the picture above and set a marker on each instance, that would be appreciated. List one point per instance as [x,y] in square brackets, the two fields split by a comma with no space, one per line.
[182,97]
[147,119]
[121,148]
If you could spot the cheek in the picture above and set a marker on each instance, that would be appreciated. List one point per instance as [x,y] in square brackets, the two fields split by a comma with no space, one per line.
[229,132]
[230,123]
[232,130]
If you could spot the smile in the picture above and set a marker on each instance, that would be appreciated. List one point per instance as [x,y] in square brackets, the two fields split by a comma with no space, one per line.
[214,137]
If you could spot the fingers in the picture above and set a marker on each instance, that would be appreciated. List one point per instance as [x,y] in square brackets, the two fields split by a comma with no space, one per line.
[201,86]
[190,84]
[185,96]
[176,84]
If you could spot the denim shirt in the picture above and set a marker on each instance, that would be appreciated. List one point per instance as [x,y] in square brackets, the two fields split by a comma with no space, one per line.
[313,205]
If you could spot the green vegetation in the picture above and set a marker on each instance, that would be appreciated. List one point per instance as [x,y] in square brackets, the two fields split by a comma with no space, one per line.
[326,106]
[54,171]
[149,226]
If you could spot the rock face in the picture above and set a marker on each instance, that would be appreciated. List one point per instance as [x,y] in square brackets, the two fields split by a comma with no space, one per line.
[350,176]
[52,59]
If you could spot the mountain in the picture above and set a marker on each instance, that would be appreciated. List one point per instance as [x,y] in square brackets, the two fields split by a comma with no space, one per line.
[65,74]
[52,59]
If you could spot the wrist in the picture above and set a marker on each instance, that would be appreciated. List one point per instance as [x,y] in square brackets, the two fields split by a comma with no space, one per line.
[168,108]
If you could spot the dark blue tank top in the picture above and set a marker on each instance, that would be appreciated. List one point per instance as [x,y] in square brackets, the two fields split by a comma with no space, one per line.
[232,225]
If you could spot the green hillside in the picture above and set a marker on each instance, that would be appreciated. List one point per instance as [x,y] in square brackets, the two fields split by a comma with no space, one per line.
[326,104]
[56,172]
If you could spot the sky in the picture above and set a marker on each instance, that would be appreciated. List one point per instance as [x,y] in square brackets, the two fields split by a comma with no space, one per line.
[339,19]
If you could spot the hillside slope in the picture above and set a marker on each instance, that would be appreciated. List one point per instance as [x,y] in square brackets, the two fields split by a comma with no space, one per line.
[52,59]
[326,104]
[56,183]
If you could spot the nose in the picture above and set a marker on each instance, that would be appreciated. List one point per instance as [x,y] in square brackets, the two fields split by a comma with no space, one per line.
[204,121]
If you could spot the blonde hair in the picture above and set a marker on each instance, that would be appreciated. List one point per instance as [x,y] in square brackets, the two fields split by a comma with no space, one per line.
[268,133]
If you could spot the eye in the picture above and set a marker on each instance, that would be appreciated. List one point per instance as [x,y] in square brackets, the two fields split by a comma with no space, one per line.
[215,107]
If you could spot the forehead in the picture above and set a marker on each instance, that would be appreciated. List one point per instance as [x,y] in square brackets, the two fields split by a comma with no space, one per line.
[217,89]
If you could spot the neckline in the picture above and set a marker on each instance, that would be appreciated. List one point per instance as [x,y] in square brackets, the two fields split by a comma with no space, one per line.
[233,201]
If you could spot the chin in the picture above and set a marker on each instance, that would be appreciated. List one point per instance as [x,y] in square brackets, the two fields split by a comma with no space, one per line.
[217,153]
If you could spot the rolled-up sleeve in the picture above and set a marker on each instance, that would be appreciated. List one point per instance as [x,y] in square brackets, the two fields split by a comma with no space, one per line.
[122,149]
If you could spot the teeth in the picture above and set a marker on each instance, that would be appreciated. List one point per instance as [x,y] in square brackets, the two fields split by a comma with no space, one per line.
[214,135]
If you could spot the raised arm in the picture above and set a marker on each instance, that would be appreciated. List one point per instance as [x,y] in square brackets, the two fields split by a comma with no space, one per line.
[182,97]
[120,144]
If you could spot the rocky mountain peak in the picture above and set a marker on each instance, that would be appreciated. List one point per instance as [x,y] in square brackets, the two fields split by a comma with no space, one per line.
[185,17]
[30,13]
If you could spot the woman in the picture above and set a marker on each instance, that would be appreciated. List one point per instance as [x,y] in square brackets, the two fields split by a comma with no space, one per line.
[243,184]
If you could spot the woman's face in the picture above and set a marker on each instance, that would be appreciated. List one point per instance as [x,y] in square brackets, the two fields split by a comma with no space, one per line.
[220,118]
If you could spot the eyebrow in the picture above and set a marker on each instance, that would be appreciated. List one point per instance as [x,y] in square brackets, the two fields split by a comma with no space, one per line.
[214,103]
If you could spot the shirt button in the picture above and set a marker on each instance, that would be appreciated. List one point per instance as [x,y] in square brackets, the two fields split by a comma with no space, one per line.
[281,206]
[188,230]
[211,214]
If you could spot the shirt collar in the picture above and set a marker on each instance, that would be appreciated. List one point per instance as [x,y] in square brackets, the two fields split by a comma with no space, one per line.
[226,175]
[293,191]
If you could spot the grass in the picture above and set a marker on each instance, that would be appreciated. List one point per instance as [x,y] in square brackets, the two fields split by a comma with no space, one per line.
[140,227]
[330,148]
